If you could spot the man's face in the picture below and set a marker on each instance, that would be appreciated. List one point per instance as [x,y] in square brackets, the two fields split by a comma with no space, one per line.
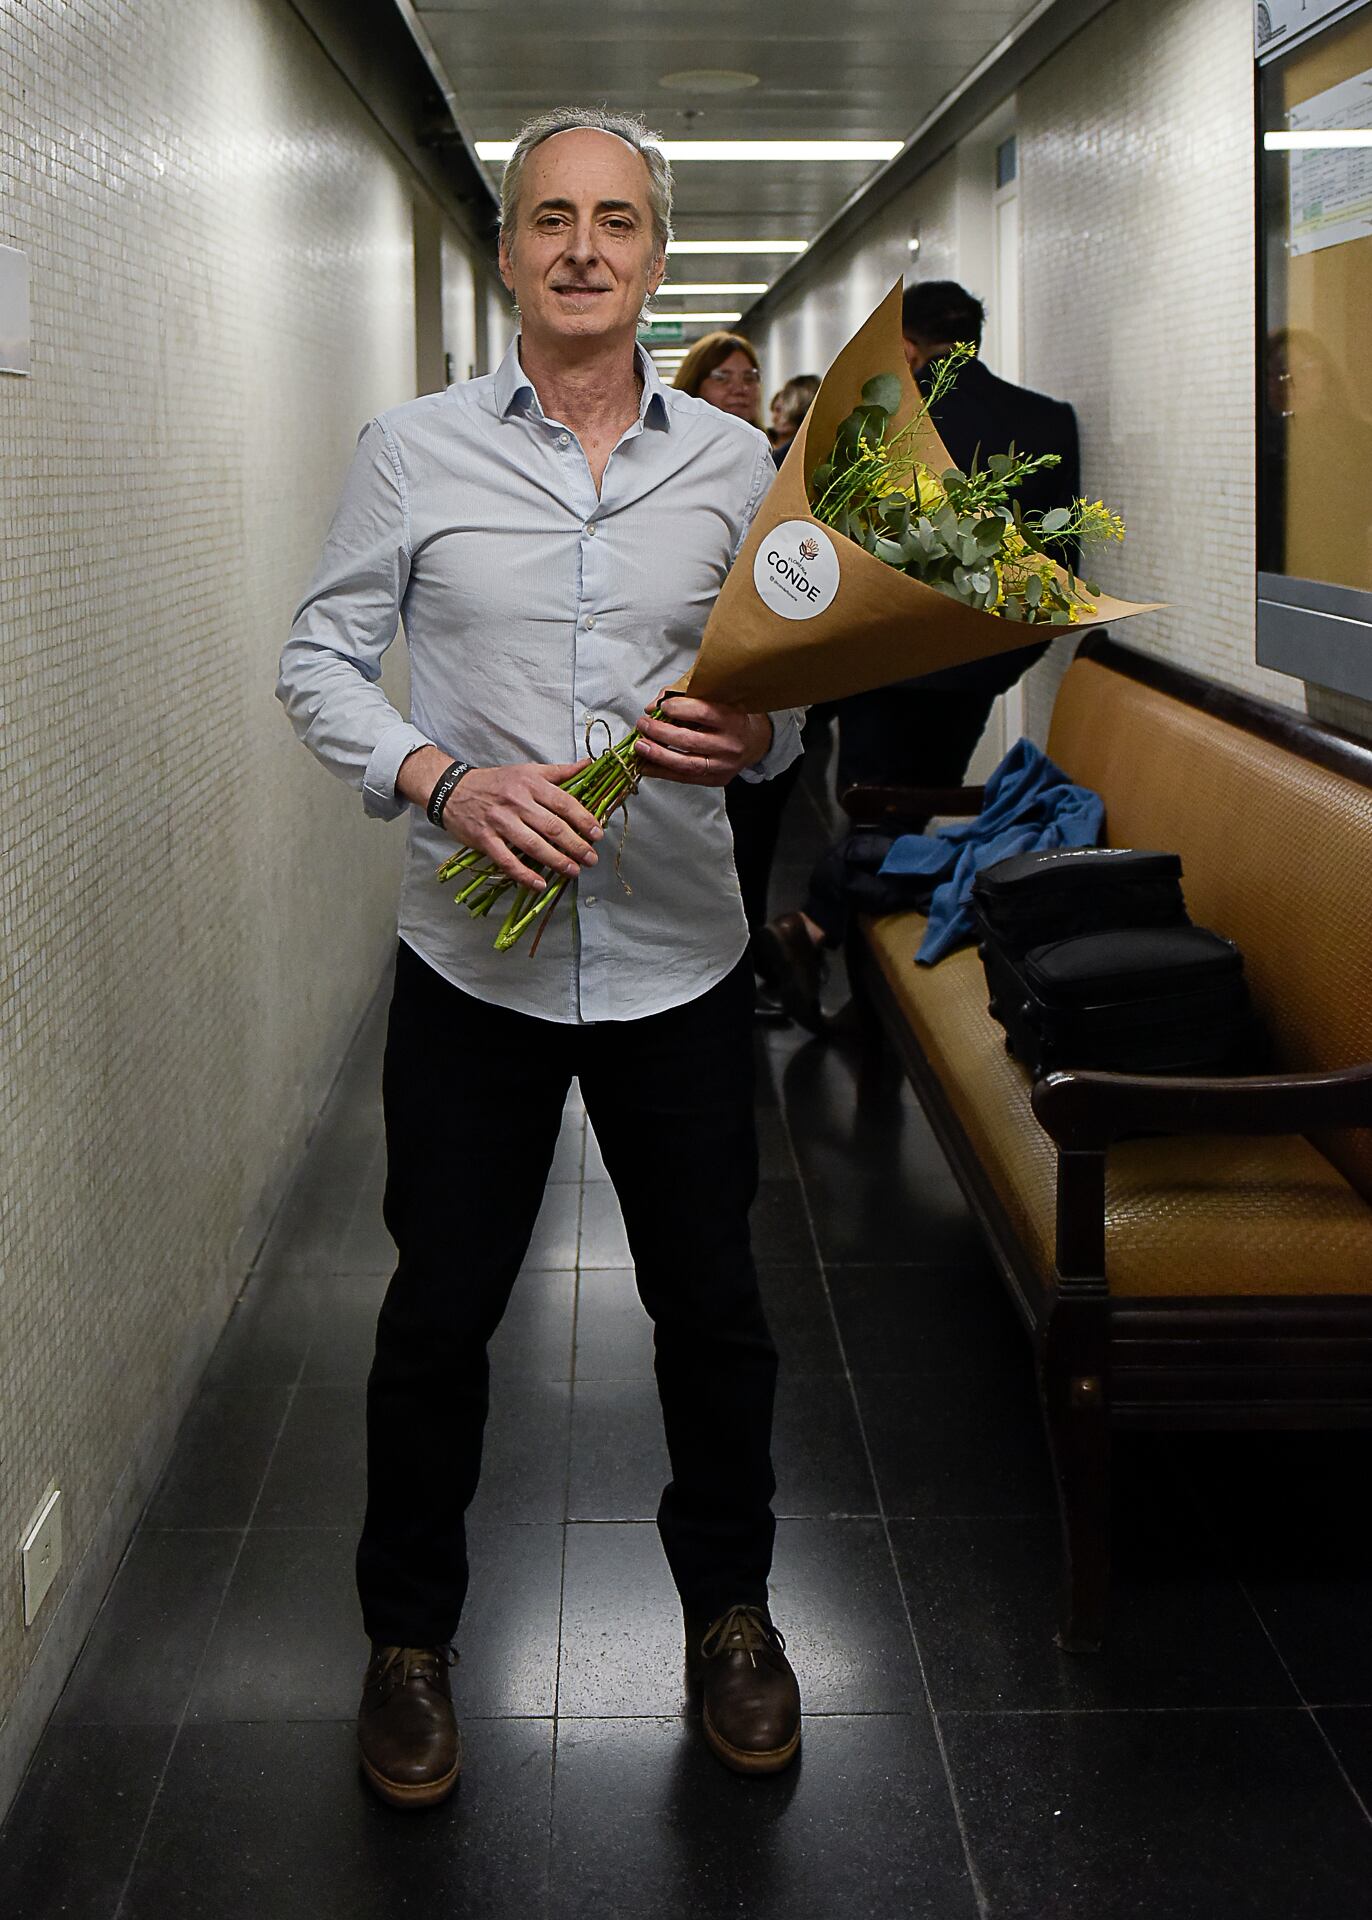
[582,259]
[914,353]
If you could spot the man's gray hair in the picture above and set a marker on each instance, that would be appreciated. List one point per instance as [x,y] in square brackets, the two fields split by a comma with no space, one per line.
[624,126]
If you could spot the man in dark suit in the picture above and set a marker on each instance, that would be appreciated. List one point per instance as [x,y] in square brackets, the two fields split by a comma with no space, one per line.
[923,732]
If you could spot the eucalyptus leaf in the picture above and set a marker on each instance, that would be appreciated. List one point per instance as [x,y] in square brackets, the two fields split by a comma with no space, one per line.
[891,551]
[896,513]
[885,391]
[982,582]
[1055,521]
[1033,590]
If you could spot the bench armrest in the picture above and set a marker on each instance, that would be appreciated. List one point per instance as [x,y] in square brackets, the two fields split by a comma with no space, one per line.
[896,806]
[1084,1112]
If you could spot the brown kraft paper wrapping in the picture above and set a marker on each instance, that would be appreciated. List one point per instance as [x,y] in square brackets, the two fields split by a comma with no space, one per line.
[851,622]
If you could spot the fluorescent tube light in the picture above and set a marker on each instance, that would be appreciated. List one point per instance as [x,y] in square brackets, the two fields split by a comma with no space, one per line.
[675,289]
[737,246]
[678,151]
[1329,137]
[679,313]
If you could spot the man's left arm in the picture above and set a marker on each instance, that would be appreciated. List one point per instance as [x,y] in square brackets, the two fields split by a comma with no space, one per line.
[781,732]
[785,744]
[707,743]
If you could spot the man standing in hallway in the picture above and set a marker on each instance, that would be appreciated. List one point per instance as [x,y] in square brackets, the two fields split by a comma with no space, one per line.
[923,732]
[555,536]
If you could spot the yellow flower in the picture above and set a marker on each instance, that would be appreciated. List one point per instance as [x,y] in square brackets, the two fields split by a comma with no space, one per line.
[1095,522]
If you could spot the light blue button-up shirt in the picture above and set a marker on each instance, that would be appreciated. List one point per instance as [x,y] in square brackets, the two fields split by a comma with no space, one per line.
[532,608]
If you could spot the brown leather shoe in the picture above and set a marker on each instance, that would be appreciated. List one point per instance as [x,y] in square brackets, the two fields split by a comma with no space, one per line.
[793,967]
[411,1752]
[751,1702]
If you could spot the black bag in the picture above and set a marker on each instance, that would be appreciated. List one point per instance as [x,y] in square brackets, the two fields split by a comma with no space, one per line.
[1032,898]
[1169,999]
[1092,961]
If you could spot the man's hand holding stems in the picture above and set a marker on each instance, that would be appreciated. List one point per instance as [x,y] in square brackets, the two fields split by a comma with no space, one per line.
[515,819]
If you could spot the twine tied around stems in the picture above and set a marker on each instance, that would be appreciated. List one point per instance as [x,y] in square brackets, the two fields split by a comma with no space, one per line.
[633,770]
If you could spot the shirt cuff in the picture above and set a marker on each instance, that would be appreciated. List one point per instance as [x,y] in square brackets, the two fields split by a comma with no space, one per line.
[785,747]
[379,797]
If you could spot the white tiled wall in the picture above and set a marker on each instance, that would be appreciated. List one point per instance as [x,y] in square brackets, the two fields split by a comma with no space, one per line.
[1136,208]
[194,915]
[1137,204]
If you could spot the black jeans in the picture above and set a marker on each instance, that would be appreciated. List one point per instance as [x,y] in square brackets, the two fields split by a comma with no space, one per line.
[473,1100]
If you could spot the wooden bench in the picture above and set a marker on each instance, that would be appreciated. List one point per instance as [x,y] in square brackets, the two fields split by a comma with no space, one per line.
[1185,1253]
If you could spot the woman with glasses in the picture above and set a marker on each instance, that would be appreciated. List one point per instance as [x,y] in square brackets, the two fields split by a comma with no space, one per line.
[723,370]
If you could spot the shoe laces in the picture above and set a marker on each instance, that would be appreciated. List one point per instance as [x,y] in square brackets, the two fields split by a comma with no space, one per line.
[422,1663]
[742,1630]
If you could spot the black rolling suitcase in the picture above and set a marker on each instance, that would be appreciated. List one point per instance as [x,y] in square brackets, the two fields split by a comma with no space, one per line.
[1091,961]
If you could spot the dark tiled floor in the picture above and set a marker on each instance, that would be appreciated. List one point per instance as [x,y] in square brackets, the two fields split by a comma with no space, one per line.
[1215,1760]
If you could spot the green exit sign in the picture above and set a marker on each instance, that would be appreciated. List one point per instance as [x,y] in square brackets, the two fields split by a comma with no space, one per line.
[662,333]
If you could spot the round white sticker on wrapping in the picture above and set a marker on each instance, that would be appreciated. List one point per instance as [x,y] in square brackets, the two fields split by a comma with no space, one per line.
[796,569]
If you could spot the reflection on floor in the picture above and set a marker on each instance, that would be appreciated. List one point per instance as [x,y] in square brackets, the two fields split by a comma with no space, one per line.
[1216,1760]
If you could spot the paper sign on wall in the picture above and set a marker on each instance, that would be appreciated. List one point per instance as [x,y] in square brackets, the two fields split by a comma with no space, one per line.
[14,311]
[1331,187]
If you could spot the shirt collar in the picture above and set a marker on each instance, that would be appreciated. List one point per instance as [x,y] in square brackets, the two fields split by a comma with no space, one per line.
[515,393]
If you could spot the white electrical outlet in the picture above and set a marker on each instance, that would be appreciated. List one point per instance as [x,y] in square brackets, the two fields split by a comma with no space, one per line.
[41,1554]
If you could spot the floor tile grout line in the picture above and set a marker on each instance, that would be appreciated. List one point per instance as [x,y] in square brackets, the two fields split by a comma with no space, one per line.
[1336,1757]
[1080,1710]
[1306,1705]
[974,1878]
[118,1906]
[566,1505]
[1204,1509]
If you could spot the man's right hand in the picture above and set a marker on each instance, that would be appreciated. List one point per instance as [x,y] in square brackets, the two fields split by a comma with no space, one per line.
[511,814]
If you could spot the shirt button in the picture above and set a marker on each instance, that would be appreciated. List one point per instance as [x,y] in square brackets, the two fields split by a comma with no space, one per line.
[590,899]
[590,620]
[564,439]
[590,528]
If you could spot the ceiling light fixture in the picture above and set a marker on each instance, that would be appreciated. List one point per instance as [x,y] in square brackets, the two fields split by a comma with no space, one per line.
[1329,137]
[672,289]
[737,246]
[709,80]
[680,313]
[679,151]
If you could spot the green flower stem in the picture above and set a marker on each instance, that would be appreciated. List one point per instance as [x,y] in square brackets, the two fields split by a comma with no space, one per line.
[602,787]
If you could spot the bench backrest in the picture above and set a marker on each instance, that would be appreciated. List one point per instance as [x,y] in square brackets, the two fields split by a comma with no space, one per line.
[1276,847]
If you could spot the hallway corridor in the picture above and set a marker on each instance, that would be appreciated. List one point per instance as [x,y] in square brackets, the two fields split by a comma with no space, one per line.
[202,1761]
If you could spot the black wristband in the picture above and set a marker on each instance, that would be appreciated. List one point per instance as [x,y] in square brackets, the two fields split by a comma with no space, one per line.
[443,787]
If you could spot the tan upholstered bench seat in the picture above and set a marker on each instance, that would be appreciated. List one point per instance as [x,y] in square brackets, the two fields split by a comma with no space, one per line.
[1200,1216]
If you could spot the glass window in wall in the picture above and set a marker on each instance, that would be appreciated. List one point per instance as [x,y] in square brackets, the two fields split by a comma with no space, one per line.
[1315,321]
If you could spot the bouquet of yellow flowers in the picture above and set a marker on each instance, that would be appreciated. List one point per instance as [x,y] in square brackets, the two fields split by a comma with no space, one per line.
[961,533]
[873,558]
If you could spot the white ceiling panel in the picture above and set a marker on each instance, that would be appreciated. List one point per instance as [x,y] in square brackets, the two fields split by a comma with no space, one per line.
[865,70]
